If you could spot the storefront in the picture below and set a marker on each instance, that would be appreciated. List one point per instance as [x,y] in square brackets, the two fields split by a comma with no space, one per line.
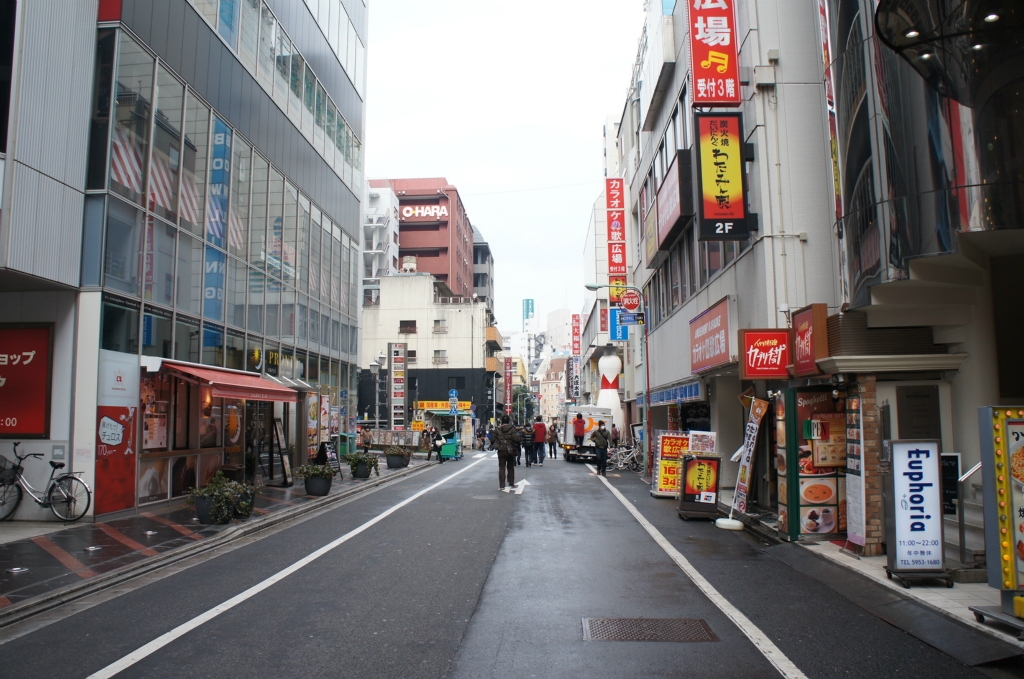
[170,426]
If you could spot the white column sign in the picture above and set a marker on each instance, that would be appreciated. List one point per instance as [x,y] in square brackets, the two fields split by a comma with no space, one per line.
[918,506]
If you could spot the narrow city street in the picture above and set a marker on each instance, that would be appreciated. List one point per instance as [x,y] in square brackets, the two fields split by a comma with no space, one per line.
[439,574]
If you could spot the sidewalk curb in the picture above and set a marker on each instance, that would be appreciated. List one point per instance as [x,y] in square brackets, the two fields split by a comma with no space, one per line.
[11,615]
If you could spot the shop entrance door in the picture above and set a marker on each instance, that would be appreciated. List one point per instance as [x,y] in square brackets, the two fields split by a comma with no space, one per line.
[259,448]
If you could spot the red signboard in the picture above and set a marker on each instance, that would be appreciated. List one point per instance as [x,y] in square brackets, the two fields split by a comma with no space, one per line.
[615,201]
[508,385]
[115,458]
[630,301]
[668,205]
[722,212]
[25,381]
[710,338]
[616,289]
[764,354]
[604,320]
[576,335]
[810,339]
[714,54]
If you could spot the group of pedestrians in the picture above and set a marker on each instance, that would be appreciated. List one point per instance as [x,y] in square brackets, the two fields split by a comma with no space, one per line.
[509,441]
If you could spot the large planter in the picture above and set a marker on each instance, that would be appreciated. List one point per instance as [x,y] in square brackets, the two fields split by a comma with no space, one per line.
[203,507]
[246,502]
[362,471]
[317,486]
[397,461]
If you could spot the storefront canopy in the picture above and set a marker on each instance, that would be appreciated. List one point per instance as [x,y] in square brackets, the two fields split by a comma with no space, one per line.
[230,384]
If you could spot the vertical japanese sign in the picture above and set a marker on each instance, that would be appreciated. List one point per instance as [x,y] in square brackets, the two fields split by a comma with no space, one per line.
[574,386]
[917,516]
[25,381]
[722,208]
[614,190]
[700,479]
[603,320]
[714,54]
[743,477]
[576,348]
[810,341]
[855,524]
[671,448]
[396,386]
[508,385]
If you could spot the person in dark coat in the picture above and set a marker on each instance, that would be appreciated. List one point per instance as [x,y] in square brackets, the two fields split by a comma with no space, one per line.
[506,440]
[601,439]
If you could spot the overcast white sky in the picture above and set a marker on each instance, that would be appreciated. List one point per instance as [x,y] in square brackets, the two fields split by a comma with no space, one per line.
[504,98]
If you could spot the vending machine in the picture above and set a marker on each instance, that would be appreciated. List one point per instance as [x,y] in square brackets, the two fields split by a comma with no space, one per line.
[1002,468]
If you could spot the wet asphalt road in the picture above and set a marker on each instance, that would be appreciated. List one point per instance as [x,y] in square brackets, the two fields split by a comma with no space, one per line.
[471,583]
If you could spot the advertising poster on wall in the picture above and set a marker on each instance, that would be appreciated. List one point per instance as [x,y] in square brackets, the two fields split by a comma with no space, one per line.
[703,441]
[325,416]
[670,451]
[115,458]
[854,506]
[312,425]
[25,381]
[153,480]
[722,204]
[1015,447]
[915,522]
[830,450]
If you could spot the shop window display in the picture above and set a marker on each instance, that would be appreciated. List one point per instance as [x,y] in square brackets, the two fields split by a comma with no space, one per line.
[183,474]
[210,433]
[182,401]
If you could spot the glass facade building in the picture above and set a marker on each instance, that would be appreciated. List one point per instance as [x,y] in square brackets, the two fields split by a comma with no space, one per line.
[206,249]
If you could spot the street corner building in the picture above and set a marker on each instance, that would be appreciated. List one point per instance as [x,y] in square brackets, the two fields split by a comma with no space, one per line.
[824,214]
[179,238]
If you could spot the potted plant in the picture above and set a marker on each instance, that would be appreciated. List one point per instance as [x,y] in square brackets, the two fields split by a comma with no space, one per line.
[247,493]
[361,464]
[397,457]
[216,501]
[317,478]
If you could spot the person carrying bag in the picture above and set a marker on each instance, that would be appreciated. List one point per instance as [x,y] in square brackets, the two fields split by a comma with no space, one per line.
[506,440]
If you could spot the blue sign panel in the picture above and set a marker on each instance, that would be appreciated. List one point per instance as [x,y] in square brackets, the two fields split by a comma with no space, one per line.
[220,181]
[617,332]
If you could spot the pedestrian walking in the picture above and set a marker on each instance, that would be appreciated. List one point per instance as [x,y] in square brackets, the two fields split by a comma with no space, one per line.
[553,440]
[367,440]
[490,437]
[615,436]
[506,440]
[579,430]
[601,439]
[540,434]
[436,441]
[526,439]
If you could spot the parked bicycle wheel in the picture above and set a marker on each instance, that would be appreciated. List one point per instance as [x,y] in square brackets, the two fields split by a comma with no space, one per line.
[10,496]
[635,465]
[69,498]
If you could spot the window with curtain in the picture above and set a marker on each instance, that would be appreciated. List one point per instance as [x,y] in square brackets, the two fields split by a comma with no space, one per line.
[193,164]
[238,205]
[166,161]
[133,102]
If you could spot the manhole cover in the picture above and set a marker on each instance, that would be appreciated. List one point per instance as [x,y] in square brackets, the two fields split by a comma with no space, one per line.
[647,629]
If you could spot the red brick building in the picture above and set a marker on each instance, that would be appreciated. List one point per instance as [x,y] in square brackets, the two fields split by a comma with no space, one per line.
[434,227]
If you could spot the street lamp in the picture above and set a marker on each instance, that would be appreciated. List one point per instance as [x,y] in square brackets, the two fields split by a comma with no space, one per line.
[593,287]
[375,369]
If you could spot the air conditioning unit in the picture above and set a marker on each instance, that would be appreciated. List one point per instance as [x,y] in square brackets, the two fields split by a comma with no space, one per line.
[409,264]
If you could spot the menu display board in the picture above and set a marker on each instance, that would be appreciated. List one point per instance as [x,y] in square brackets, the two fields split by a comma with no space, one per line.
[830,450]
[700,478]
[671,449]
[853,507]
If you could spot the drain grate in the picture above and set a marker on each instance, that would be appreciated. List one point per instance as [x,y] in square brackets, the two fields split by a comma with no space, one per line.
[647,629]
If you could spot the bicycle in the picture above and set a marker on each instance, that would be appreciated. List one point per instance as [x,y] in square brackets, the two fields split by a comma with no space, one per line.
[67,496]
[631,458]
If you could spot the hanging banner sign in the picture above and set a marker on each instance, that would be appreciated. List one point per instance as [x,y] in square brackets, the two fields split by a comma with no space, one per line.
[764,354]
[714,53]
[914,517]
[810,339]
[615,206]
[396,394]
[574,385]
[671,449]
[575,335]
[743,477]
[722,208]
[508,385]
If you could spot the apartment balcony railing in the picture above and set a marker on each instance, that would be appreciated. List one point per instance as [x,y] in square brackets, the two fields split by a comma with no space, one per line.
[440,360]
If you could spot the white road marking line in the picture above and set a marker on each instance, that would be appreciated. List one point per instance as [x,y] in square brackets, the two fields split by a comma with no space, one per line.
[479,455]
[768,649]
[182,629]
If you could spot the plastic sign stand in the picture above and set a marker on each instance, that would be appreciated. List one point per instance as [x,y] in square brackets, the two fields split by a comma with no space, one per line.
[729,524]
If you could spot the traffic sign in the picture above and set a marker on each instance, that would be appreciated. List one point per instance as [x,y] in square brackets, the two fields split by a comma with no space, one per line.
[453,393]
[630,300]
[454,410]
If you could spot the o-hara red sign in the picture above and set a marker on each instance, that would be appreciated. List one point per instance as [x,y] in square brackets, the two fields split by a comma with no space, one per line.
[714,53]
[576,344]
[615,202]
[508,385]
[765,354]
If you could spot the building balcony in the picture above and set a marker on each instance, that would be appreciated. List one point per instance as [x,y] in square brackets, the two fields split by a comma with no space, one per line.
[440,360]
[493,364]
[407,330]
[494,338]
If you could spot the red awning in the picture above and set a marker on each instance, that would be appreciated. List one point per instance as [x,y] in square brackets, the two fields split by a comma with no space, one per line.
[229,384]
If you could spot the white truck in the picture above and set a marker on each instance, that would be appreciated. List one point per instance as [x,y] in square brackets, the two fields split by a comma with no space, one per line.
[591,416]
